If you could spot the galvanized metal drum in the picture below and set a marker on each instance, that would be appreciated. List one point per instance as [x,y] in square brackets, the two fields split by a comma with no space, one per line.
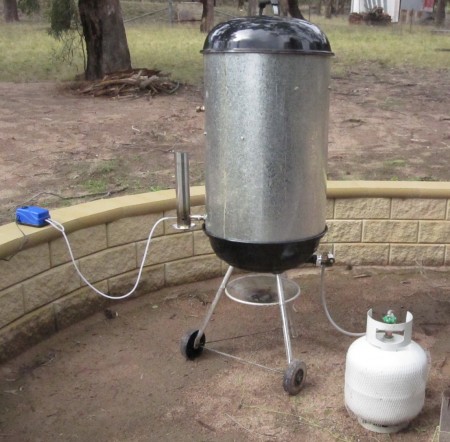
[266,102]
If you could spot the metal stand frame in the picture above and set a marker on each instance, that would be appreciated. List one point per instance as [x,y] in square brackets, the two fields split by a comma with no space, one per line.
[193,342]
[284,319]
[288,328]
[219,294]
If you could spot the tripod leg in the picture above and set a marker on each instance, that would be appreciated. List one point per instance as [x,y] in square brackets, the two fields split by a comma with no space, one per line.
[284,319]
[219,293]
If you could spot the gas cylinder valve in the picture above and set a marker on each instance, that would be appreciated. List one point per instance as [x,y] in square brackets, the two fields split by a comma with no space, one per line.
[389,318]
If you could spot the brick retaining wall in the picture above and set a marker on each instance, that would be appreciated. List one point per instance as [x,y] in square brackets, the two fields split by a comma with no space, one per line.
[370,223]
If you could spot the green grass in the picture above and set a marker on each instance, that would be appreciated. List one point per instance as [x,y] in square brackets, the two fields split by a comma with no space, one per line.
[395,163]
[386,46]
[175,49]
[157,188]
[30,54]
[106,167]
[95,186]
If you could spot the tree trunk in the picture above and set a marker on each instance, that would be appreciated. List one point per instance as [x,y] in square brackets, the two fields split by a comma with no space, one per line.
[210,15]
[284,8]
[106,41]
[440,12]
[341,8]
[328,8]
[319,7]
[204,15]
[10,12]
[252,7]
[207,21]
[294,10]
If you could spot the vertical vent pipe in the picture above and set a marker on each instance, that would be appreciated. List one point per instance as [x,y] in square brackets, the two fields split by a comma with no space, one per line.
[182,191]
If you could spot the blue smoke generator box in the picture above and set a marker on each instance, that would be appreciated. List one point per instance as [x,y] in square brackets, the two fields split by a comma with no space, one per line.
[32,216]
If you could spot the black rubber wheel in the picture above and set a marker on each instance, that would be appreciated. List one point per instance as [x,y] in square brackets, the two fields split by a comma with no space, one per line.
[294,377]
[187,345]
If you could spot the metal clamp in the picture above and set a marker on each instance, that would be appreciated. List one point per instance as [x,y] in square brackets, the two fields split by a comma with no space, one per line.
[320,260]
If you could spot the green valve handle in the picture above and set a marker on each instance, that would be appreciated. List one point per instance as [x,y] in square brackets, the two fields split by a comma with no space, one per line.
[390,318]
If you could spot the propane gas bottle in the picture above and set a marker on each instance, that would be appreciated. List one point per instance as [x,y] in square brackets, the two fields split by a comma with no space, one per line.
[385,375]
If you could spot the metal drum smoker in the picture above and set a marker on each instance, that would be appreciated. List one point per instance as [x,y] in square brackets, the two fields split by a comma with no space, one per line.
[266,103]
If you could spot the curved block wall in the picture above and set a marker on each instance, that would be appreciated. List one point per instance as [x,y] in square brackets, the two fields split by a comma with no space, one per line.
[370,223]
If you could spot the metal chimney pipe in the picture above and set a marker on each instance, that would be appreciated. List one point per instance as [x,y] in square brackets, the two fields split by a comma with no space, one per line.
[182,191]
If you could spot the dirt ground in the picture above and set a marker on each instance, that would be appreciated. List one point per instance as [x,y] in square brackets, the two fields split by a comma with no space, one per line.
[58,148]
[124,379]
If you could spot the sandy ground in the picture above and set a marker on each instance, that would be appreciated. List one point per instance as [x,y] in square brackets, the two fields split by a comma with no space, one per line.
[124,379]
[59,148]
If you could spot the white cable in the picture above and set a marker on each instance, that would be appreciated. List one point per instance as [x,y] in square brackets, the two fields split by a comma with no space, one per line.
[58,226]
[327,313]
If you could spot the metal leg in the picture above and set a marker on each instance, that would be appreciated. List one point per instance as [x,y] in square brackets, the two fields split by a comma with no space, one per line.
[213,306]
[292,329]
[290,310]
[284,318]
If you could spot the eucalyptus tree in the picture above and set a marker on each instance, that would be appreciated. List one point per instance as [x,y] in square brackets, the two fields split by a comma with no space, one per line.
[105,37]
[440,12]
[11,8]
[10,11]
[102,30]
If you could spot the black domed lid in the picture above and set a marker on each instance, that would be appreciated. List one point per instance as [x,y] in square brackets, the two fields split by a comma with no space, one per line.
[267,34]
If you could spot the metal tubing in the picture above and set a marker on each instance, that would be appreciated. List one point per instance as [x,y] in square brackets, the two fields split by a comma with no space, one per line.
[182,190]
[289,311]
[284,318]
[276,370]
[292,328]
[213,306]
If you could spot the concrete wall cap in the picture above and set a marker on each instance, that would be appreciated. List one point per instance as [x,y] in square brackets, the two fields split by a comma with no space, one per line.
[388,189]
[107,210]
